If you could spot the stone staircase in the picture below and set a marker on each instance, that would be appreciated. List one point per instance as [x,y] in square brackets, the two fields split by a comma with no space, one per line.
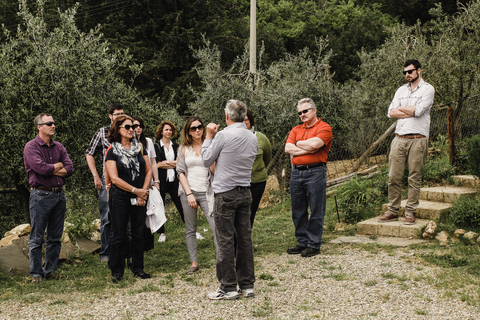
[435,204]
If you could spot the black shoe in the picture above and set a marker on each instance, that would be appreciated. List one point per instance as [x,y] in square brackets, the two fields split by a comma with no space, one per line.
[117,278]
[310,252]
[296,250]
[142,275]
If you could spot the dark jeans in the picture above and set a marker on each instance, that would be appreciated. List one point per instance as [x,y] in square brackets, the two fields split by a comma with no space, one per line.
[121,212]
[105,227]
[47,211]
[232,217]
[308,189]
[172,189]
[257,190]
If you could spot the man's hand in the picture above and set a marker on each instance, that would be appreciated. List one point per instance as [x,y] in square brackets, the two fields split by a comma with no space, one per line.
[57,166]
[212,130]
[97,181]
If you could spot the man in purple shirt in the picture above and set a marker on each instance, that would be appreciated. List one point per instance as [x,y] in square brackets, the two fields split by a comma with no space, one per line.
[47,164]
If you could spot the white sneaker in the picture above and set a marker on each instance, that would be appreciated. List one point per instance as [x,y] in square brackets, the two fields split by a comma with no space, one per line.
[199,236]
[247,293]
[162,237]
[222,295]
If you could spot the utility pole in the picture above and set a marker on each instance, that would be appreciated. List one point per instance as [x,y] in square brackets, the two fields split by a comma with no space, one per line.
[253,36]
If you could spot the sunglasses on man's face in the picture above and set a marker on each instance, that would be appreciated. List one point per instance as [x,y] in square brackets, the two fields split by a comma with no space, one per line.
[48,124]
[408,71]
[128,127]
[304,111]
[199,127]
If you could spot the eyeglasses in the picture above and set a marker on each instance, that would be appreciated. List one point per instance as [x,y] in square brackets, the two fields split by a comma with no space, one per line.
[304,111]
[409,71]
[128,127]
[48,124]
[118,114]
[199,127]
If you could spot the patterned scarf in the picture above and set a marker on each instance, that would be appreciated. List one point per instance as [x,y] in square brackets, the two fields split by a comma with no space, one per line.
[128,159]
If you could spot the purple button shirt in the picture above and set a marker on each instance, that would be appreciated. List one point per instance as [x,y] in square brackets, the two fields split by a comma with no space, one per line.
[39,159]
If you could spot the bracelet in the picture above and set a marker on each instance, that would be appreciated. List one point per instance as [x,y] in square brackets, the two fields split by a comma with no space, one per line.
[156,181]
[189,194]
[133,190]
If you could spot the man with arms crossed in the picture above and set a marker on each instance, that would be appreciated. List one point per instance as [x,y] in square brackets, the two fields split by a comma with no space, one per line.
[411,106]
[308,144]
[47,165]
[234,149]
[99,143]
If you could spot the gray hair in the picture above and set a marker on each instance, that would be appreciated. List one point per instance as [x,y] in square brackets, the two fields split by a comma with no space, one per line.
[307,100]
[236,110]
[38,119]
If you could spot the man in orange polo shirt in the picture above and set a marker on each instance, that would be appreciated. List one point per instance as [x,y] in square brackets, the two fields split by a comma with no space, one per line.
[308,144]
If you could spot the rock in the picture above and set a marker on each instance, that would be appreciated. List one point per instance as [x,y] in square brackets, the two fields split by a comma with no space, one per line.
[20,230]
[442,237]
[8,240]
[23,243]
[96,223]
[65,237]
[94,236]
[13,261]
[87,245]
[67,250]
[458,233]
[430,230]
[471,236]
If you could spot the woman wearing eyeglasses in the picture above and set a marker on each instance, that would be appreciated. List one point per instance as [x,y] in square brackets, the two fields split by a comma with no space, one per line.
[166,162]
[196,181]
[130,174]
[148,145]
[259,169]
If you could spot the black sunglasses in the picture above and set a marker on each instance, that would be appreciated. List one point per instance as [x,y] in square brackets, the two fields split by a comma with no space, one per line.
[199,127]
[128,127]
[409,71]
[48,124]
[304,111]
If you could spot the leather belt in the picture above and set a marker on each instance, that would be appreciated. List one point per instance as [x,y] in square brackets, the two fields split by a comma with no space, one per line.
[57,189]
[308,166]
[411,136]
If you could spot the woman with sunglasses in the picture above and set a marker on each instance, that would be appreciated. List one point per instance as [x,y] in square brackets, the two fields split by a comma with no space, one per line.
[166,162]
[130,174]
[196,181]
[148,145]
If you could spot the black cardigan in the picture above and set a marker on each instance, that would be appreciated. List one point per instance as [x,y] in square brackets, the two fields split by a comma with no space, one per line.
[162,173]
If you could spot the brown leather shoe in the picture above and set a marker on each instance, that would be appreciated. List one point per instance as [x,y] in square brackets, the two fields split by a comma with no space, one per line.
[388,216]
[409,218]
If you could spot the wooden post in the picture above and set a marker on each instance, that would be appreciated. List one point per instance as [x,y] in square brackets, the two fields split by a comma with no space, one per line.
[451,135]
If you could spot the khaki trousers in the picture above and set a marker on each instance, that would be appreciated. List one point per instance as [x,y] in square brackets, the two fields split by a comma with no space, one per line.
[414,153]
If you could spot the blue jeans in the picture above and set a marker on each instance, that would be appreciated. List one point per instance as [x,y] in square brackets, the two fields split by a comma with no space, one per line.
[105,226]
[308,189]
[47,211]
[232,217]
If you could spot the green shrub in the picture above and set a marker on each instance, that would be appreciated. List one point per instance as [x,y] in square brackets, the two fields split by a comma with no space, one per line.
[473,154]
[360,198]
[82,210]
[465,213]
[437,168]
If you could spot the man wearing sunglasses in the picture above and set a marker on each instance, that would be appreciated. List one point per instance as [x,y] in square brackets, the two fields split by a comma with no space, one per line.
[308,144]
[98,146]
[47,165]
[411,107]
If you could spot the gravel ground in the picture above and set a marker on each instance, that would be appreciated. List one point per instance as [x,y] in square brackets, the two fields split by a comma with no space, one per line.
[354,284]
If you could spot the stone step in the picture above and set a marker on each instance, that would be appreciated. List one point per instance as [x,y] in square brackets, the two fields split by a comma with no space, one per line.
[391,229]
[426,209]
[467,180]
[446,193]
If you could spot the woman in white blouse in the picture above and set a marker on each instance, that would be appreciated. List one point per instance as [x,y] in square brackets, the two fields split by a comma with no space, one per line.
[196,185]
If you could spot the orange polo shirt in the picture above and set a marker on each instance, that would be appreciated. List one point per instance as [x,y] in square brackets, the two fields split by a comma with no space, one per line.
[320,130]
